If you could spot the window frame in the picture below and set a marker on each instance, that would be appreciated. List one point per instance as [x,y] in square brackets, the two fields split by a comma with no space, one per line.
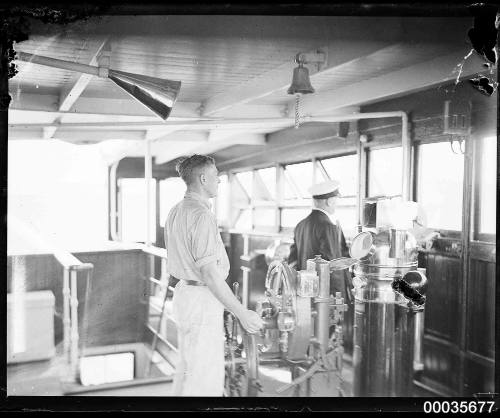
[319,170]
[476,236]
[278,203]
[368,152]
[443,232]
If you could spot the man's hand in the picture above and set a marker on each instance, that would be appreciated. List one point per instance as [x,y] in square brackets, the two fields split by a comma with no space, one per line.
[251,321]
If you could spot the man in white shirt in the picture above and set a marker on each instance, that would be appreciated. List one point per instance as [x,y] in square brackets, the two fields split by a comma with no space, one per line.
[197,257]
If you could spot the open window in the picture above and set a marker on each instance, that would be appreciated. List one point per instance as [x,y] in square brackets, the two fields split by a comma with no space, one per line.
[485,194]
[241,196]
[132,208]
[172,191]
[344,169]
[440,200]
[222,201]
[385,172]
[296,197]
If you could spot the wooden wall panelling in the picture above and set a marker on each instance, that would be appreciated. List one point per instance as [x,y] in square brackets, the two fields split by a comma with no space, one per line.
[479,376]
[115,313]
[443,293]
[426,112]
[441,352]
[480,337]
[441,366]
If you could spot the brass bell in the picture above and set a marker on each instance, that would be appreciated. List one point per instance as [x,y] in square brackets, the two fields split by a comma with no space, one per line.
[300,81]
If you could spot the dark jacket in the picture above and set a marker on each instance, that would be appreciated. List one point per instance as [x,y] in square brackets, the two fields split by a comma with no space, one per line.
[317,235]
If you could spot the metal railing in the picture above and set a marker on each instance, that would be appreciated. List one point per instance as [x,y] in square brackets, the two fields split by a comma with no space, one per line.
[71,337]
[164,284]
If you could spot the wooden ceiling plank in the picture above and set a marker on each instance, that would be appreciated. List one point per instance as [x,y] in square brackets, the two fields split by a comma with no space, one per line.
[280,78]
[410,79]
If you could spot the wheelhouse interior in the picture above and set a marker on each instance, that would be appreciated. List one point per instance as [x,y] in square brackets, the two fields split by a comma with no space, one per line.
[91,179]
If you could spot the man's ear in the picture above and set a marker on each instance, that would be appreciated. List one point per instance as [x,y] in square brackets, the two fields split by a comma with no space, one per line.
[203,178]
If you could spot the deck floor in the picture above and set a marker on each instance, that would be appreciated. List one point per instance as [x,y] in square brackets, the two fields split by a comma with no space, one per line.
[43,378]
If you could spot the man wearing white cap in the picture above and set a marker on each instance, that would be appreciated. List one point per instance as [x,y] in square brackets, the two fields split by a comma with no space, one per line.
[318,235]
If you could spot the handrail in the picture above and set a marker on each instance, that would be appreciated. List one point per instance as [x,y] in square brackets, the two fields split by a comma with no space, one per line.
[71,266]
[66,259]
[151,250]
[156,251]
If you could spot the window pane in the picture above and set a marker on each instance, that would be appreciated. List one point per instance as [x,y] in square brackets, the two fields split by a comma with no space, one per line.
[343,169]
[487,191]
[290,193]
[53,189]
[291,217]
[222,201]
[302,175]
[268,177]
[345,212]
[245,180]
[385,172]
[133,204]
[440,182]
[244,221]
[172,191]
[264,217]
[239,197]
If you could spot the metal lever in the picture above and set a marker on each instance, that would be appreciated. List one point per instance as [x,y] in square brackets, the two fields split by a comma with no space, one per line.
[342,263]
[236,289]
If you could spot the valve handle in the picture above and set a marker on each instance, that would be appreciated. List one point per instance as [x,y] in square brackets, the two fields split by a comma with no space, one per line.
[236,289]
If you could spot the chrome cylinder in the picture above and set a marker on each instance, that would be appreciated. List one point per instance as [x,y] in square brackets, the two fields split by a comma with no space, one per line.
[385,319]
[321,302]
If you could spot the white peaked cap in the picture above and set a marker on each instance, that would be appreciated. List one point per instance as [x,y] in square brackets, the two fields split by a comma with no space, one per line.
[325,189]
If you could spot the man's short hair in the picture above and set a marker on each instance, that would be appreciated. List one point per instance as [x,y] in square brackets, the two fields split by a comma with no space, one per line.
[189,167]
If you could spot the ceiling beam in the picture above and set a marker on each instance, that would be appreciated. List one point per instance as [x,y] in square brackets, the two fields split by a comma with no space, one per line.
[209,147]
[76,136]
[72,90]
[48,132]
[97,106]
[417,77]
[164,152]
[240,138]
[280,78]
[78,82]
[21,116]
[181,136]
[238,124]
[113,151]
[97,135]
